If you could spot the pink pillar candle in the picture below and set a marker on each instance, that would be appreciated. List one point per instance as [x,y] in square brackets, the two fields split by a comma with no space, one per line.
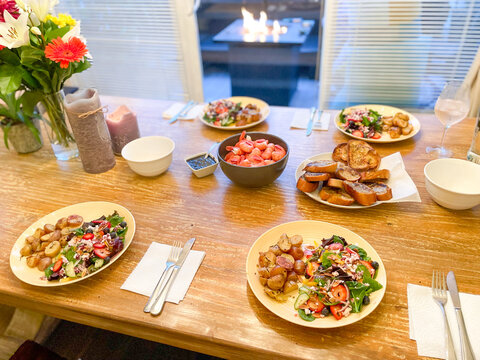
[123,127]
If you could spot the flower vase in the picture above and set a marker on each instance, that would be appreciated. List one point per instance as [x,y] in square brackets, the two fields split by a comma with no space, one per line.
[21,137]
[63,143]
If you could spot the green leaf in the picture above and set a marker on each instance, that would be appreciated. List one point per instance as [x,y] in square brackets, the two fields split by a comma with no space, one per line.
[70,254]
[44,80]
[122,232]
[51,34]
[114,219]
[304,316]
[342,116]
[326,263]
[338,239]
[10,78]
[365,121]
[31,55]
[9,56]
[357,293]
[373,285]
[29,100]
[49,271]
[79,232]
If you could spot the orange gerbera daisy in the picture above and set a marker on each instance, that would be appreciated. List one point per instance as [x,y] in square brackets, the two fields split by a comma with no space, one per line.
[65,52]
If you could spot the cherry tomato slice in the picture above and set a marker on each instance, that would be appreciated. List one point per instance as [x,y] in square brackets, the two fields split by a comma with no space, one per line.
[339,293]
[315,305]
[88,236]
[334,309]
[101,253]
[376,136]
[58,265]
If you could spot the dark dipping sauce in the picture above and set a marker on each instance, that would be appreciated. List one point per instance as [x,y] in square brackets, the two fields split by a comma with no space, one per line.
[200,162]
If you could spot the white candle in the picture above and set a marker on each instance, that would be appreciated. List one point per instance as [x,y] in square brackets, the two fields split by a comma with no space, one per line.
[123,127]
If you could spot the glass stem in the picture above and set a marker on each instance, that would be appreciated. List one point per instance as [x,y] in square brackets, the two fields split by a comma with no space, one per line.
[443,136]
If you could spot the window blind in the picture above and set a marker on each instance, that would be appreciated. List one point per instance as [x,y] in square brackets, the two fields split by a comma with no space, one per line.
[395,52]
[139,47]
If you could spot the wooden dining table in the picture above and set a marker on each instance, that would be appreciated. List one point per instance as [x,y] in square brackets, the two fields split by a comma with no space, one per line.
[220,315]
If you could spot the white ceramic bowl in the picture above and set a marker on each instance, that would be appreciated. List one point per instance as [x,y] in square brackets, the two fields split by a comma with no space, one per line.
[150,155]
[453,183]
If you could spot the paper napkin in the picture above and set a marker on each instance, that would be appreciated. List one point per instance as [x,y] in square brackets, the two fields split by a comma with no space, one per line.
[145,276]
[427,324]
[192,114]
[403,187]
[302,116]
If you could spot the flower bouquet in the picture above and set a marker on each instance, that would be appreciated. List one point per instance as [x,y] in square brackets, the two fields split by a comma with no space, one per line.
[39,52]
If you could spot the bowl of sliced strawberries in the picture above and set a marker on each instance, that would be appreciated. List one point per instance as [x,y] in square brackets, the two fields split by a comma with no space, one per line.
[350,176]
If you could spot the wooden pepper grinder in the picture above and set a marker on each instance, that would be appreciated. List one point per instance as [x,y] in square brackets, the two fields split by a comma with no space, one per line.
[85,114]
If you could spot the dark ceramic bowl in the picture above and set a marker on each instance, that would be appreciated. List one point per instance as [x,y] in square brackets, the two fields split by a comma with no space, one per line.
[252,176]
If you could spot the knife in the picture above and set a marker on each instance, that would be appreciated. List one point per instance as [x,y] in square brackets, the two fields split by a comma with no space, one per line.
[313,112]
[175,117]
[465,347]
[158,304]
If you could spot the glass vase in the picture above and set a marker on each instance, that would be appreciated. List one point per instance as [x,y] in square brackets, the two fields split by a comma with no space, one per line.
[63,143]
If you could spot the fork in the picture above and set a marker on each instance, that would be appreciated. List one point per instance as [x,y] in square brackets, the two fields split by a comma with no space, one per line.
[172,259]
[184,112]
[439,294]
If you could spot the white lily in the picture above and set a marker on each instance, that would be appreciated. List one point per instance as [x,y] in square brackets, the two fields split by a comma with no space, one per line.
[75,32]
[41,8]
[14,32]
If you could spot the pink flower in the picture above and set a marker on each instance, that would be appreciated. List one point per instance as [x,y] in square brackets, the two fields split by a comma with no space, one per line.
[11,7]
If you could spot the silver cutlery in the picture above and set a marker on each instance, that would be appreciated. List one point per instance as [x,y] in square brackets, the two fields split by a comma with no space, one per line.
[160,301]
[318,121]
[439,294]
[172,258]
[313,112]
[210,150]
[183,112]
[465,347]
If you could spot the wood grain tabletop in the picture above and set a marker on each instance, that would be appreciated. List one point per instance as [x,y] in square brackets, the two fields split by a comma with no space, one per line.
[220,315]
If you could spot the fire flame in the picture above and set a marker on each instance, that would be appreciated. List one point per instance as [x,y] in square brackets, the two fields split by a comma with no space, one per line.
[253,29]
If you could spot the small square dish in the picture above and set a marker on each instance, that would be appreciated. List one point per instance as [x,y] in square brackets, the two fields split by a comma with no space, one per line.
[200,166]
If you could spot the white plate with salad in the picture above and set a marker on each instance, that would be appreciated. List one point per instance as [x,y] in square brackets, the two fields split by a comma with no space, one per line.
[72,243]
[235,113]
[377,123]
[306,306]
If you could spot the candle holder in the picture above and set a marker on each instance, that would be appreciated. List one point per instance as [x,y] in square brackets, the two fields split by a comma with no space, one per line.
[86,116]
[474,151]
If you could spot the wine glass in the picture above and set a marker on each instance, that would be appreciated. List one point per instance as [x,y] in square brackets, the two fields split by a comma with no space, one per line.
[452,106]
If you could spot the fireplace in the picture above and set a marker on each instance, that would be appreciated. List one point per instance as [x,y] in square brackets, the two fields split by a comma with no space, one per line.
[263,56]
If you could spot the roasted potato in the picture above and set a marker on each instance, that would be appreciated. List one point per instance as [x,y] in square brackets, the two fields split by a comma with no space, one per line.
[292,276]
[276,282]
[46,237]
[267,259]
[74,221]
[53,249]
[387,120]
[63,241]
[407,129]
[272,293]
[36,245]
[61,223]
[296,252]
[264,272]
[285,262]
[299,267]
[49,228]
[400,122]
[278,270]
[276,250]
[30,239]
[26,250]
[289,286]
[43,245]
[284,243]
[395,132]
[263,280]
[296,240]
[39,233]
[43,263]
[32,261]
[56,235]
